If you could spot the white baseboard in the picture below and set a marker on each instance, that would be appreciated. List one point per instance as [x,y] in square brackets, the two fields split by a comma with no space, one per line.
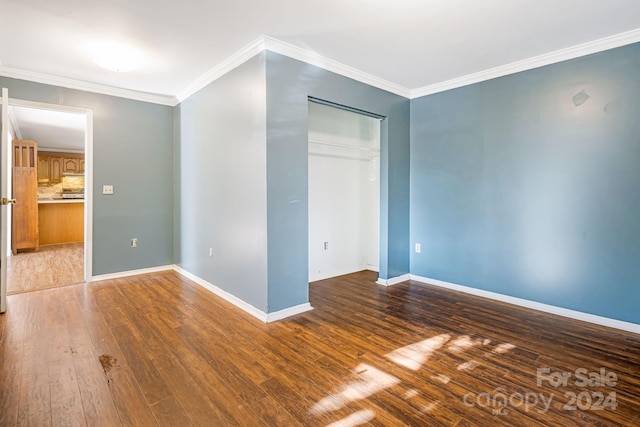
[572,314]
[121,274]
[394,280]
[255,312]
[341,272]
[241,304]
[288,312]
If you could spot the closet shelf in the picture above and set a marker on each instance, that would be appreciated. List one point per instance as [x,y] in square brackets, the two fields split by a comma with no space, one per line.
[352,147]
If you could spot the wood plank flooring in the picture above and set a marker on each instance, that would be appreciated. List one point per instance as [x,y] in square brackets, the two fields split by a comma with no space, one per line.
[49,267]
[159,350]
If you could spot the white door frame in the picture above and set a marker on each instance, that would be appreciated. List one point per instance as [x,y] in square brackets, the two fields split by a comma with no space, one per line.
[88,173]
[4,192]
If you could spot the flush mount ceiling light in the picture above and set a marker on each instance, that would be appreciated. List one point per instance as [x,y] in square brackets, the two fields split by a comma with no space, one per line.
[115,56]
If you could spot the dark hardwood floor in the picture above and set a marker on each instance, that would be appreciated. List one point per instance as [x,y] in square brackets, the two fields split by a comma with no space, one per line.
[159,350]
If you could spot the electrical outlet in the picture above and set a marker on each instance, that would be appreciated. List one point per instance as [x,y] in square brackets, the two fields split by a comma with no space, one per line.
[418,248]
[134,242]
[326,246]
[107,189]
[210,251]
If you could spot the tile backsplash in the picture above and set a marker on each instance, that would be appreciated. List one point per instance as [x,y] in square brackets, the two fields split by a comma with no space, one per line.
[73,182]
[70,182]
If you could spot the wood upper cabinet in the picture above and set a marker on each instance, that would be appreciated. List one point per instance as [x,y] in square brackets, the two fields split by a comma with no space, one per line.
[71,165]
[55,168]
[53,165]
[44,170]
[25,190]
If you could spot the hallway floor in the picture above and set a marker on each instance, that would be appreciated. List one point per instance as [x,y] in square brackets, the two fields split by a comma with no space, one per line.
[49,267]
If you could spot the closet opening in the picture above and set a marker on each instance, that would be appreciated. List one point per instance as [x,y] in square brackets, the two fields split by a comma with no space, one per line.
[344,190]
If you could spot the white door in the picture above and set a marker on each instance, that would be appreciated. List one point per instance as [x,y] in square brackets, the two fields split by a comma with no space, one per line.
[6,198]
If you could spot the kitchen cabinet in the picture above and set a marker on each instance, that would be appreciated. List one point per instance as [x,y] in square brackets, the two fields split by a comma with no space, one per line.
[55,168]
[44,170]
[71,165]
[52,166]
[61,221]
[25,190]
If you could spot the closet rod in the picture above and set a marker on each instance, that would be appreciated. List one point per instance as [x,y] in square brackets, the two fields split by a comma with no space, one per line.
[332,144]
[346,108]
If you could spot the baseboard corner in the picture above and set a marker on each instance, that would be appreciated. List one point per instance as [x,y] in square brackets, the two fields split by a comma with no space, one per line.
[393,280]
[288,312]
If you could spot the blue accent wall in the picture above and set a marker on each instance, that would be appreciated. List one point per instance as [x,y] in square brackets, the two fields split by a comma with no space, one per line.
[523,186]
[220,154]
[133,151]
[289,84]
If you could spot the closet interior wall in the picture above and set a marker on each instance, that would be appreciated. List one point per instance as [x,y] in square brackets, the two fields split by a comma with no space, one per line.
[344,187]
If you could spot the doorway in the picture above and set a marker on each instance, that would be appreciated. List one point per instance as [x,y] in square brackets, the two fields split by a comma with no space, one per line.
[62,255]
[344,191]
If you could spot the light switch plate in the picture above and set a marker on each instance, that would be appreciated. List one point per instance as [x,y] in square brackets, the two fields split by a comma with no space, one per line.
[107,189]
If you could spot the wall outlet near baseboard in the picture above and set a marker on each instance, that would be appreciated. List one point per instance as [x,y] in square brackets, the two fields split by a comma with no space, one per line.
[418,248]
[134,242]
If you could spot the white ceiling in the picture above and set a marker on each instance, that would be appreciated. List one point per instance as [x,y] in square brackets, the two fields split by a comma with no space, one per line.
[410,43]
[57,130]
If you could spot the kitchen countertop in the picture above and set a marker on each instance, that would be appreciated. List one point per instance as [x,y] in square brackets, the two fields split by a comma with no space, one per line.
[45,201]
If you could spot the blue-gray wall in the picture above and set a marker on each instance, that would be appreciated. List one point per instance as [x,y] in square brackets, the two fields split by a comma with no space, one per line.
[133,151]
[221,162]
[516,190]
[512,188]
[289,84]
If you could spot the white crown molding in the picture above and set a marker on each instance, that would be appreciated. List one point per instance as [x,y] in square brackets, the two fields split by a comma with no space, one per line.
[546,308]
[588,48]
[274,45]
[86,86]
[271,44]
[312,58]
[232,62]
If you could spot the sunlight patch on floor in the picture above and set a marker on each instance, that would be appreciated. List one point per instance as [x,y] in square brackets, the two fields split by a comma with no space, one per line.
[430,407]
[444,379]
[503,348]
[414,355]
[356,419]
[467,366]
[370,380]
[462,343]
[410,393]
